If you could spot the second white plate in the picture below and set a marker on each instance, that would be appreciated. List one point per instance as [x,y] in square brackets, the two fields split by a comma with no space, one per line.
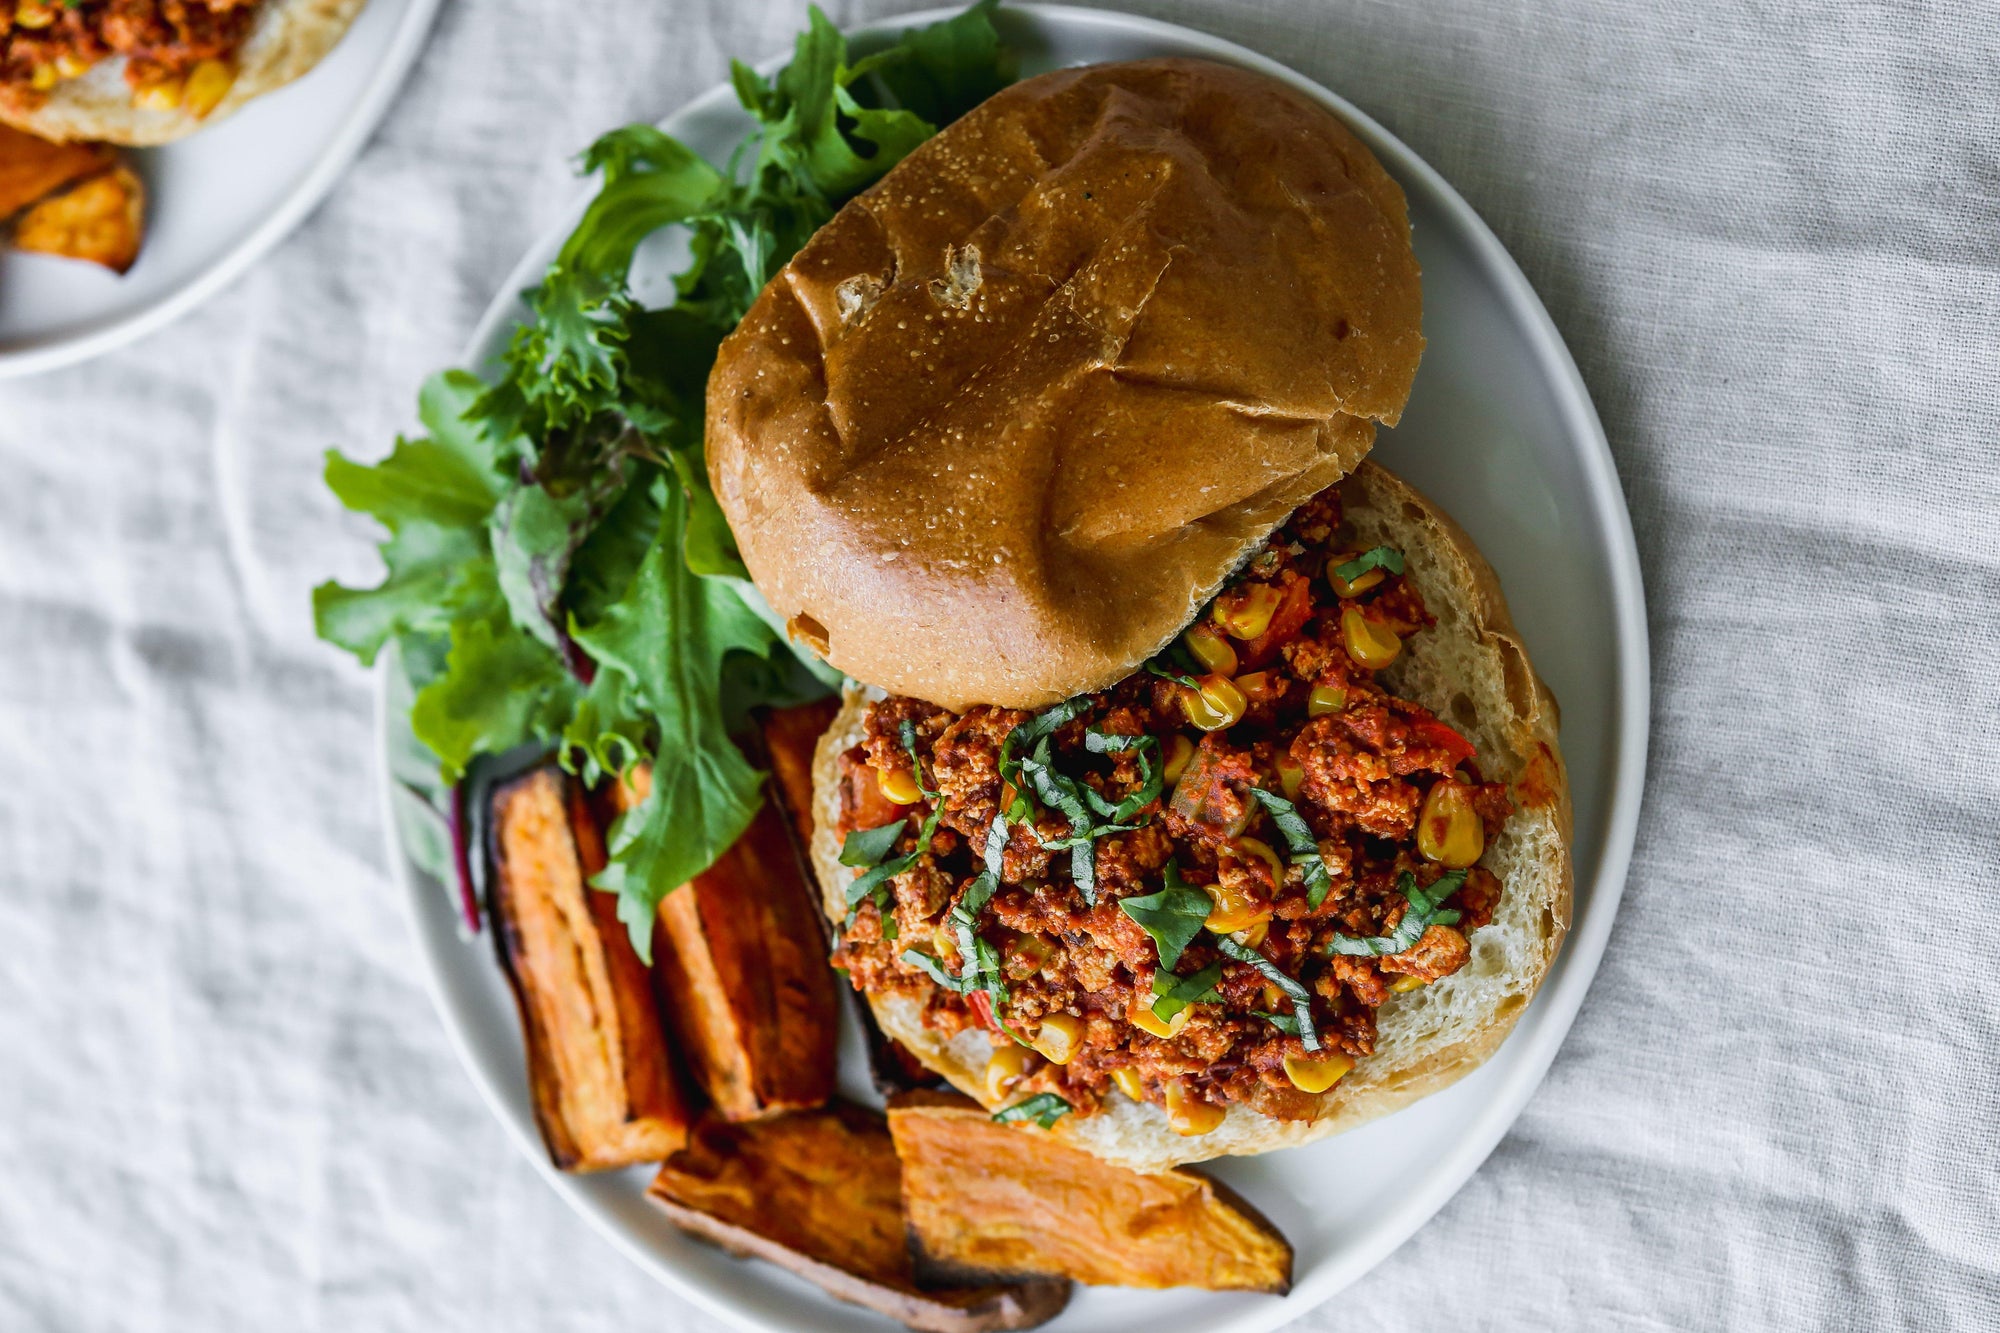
[216,201]
[1501,432]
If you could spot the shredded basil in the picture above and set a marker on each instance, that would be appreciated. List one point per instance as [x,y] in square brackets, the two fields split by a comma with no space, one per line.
[1424,912]
[1285,1023]
[873,885]
[1177,993]
[867,847]
[1173,916]
[1089,814]
[934,969]
[1044,1108]
[1299,838]
[1386,558]
[1300,997]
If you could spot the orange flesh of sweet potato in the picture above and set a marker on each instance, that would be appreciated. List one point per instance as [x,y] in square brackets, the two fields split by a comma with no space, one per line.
[598,1064]
[790,736]
[990,1199]
[102,221]
[31,169]
[817,1192]
[740,965]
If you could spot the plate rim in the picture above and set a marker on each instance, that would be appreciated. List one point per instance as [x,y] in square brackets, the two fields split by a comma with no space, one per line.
[1560,996]
[364,114]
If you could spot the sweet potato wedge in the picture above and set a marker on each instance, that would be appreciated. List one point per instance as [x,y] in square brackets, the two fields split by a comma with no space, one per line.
[598,1063]
[101,220]
[990,1200]
[32,169]
[790,735]
[817,1193]
[739,962]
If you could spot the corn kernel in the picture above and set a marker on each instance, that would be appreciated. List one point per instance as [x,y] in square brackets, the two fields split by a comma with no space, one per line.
[42,78]
[1211,649]
[1448,828]
[1233,910]
[1004,1070]
[71,66]
[1326,699]
[899,786]
[1188,1114]
[1369,644]
[163,95]
[1246,612]
[207,84]
[34,14]
[1362,583]
[1404,985]
[1180,752]
[1058,1038]
[1254,936]
[1129,1082]
[1317,1073]
[1291,777]
[1146,1020]
[1257,847]
[1274,999]
[1216,705]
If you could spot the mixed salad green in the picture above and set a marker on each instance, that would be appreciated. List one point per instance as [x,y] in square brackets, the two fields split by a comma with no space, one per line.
[558,572]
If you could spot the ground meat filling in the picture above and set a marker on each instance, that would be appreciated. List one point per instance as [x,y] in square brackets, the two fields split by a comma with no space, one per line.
[46,41]
[1286,700]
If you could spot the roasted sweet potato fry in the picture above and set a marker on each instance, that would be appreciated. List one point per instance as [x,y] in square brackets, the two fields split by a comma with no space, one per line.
[790,735]
[987,1200]
[598,1064]
[816,1192]
[32,169]
[739,961]
[102,220]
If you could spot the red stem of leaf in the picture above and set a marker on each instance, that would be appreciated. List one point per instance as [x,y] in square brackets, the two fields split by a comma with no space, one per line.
[461,858]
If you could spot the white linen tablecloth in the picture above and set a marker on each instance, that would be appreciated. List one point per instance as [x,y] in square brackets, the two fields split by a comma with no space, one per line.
[1770,233]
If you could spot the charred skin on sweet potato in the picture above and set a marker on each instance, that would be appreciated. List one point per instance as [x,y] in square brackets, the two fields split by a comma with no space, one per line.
[599,1068]
[989,1200]
[818,1193]
[101,221]
[739,962]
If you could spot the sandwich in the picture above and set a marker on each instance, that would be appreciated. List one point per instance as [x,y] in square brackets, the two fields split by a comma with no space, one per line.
[149,71]
[1192,785]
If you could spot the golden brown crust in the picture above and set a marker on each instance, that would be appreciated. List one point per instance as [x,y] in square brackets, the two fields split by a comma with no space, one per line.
[289,38]
[1010,417]
[1470,669]
[988,1200]
[819,1194]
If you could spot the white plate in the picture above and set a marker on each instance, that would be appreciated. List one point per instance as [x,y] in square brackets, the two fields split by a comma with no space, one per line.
[216,201]
[1500,431]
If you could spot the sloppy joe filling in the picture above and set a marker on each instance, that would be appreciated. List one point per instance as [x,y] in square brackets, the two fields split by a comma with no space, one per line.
[43,42]
[1276,844]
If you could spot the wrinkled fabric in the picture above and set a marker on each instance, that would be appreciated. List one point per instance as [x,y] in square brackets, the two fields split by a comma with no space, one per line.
[1770,234]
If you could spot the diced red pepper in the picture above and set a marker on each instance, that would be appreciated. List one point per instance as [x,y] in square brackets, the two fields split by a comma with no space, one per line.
[1445,737]
[981,1005]
[1286,622]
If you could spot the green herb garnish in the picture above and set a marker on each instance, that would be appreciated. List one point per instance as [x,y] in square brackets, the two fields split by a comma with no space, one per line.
[1285,1023]
[874,884]
[1299,838]
[1177,993]
[867,847]
[1044,1108]
[1425,911]
[1173,916]
[558,571]
[1300,997]
[1386,558]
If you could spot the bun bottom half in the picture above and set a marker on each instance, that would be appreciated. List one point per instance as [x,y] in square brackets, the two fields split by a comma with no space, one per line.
[1472,671]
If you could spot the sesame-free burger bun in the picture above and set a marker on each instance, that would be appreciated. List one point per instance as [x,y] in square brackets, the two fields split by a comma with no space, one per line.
[1008,420]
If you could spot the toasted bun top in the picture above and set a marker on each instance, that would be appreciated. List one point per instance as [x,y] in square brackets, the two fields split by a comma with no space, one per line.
[288,38]
[1010,418]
